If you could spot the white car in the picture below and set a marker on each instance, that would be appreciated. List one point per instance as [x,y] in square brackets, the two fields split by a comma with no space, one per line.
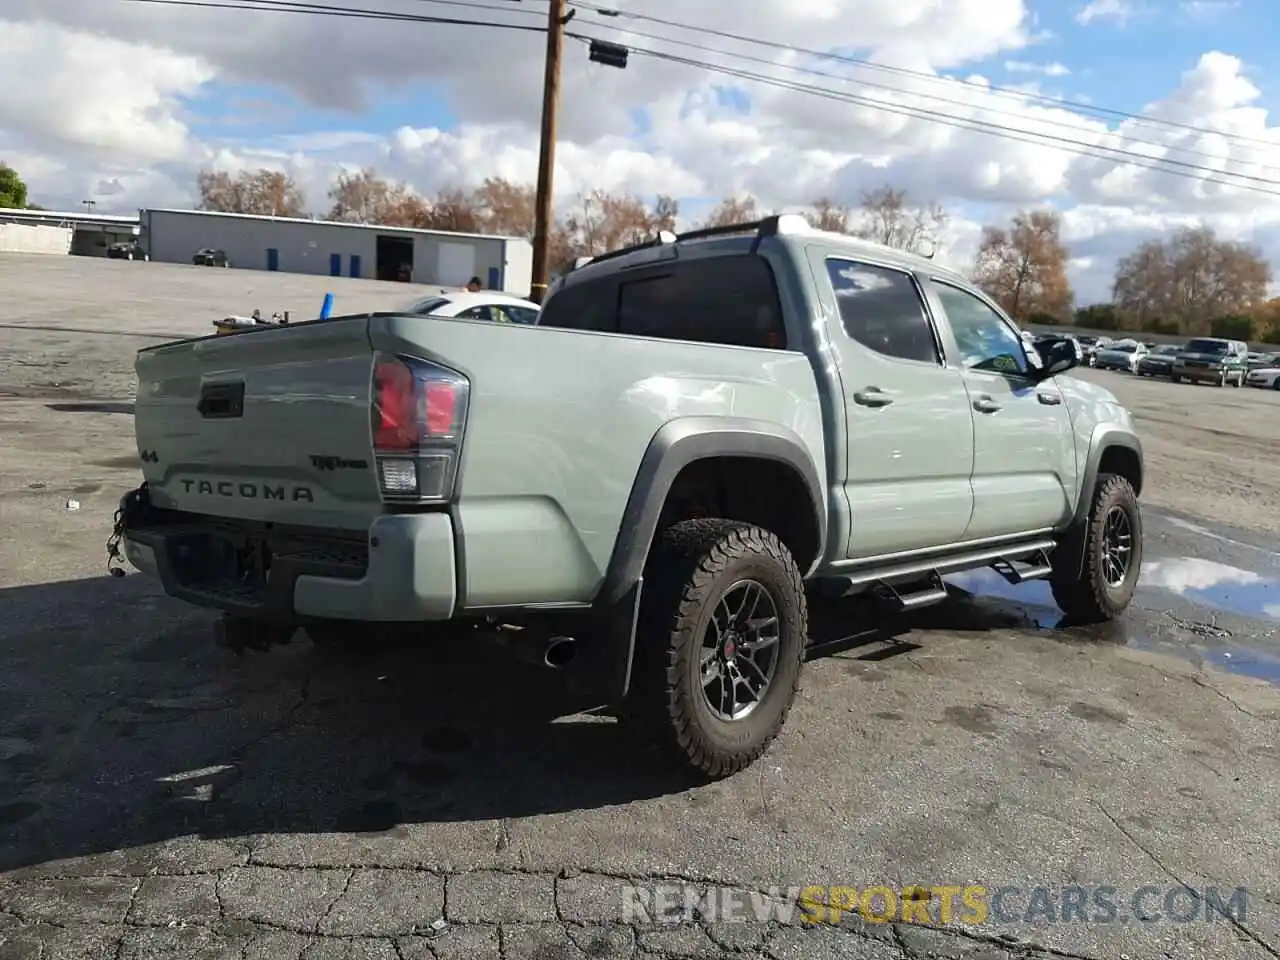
[481,305]
[1267,378]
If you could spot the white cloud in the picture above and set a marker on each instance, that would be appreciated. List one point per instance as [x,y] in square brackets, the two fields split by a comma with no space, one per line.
[108,101]
[1113,11]
[1054,69]
[1203,10]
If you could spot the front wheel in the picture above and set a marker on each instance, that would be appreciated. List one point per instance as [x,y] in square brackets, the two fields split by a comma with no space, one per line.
[724,625]
[1112,556]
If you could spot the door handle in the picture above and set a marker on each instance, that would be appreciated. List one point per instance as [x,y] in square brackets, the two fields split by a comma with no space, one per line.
[985,405]
[872,397]
[1049,399]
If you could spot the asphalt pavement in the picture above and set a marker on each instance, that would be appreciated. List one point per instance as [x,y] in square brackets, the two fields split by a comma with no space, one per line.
[160,797]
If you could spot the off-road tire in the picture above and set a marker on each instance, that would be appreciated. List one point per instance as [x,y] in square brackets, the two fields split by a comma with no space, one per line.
[689,569]
[1088,598]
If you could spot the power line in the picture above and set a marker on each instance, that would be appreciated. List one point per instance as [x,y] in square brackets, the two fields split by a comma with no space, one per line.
[1064,144]
[922,75]
[1039,121]
[356,13]
[1079,148]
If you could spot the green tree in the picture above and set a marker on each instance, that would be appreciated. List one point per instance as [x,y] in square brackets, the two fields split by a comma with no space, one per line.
[1232,327]
[13,192]
[1098,316]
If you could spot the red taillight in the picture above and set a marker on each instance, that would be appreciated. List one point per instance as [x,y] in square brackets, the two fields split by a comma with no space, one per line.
[441,398]
[417,411]
[397,426]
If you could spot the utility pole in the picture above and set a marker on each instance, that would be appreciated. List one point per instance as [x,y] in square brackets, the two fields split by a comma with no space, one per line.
[544,205]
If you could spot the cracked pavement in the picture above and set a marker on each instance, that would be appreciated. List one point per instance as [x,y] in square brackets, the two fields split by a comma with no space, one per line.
[161,798]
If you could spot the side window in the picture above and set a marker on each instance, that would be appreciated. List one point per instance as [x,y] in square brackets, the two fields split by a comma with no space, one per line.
[589,305]
[475,313]
[986,341]
[729,300]
[881,309]
[522,314]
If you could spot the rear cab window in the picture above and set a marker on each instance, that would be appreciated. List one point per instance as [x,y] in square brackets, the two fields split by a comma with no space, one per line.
[730,300]
[881,308]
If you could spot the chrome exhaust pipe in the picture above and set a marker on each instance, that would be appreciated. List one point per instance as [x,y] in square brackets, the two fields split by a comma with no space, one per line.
[559,652]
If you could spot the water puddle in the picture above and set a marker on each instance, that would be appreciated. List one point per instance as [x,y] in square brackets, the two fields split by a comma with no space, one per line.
[1219,586]
[1169,612]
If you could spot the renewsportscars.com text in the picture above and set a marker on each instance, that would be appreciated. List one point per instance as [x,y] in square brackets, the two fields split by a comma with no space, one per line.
[970,904]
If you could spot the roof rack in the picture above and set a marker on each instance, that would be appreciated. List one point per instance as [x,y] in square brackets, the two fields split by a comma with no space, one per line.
[770,226]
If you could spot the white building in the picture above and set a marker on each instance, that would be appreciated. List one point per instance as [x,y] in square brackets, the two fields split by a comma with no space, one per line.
[329,248]
[90,234]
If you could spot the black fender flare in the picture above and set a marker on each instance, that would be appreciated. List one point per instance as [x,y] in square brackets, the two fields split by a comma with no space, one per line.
[686,440]
[1068,556]
[677,444]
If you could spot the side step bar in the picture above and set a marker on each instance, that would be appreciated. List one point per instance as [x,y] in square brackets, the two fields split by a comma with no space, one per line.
[1035,567]
[911,585]
[925,593]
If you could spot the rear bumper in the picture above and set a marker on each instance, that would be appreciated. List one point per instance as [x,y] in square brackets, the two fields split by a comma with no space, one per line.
[407,574]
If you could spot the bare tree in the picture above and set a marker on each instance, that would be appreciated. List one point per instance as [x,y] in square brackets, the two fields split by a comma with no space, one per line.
[886,216]
[453,210]
[505,208]
[365,197]
[1024,266]
[263,192]
[666,211]
[829,215]
[733,210]
[1191,279]
[603,221]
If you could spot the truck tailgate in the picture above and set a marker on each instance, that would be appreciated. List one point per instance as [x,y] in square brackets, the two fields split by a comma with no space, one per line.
[270,425]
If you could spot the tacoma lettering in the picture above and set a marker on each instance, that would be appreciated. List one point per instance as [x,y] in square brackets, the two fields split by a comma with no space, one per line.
[248,491]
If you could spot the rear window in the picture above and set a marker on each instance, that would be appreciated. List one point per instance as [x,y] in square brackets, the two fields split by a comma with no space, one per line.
[731,300]
[1207,346]
[426,306]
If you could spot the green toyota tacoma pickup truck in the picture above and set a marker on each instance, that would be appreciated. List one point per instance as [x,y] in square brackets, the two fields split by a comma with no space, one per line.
[701,434]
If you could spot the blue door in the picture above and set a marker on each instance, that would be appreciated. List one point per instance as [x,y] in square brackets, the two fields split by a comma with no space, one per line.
[273,259]
[335,264]
[355,265]
[495,279]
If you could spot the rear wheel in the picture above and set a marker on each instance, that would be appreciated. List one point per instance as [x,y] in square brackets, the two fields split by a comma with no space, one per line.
[1112,556]
[724,625]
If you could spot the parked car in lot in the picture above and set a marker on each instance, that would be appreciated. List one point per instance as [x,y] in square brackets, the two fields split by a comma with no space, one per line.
[652,506]
[1120,355]
[127,250]
[1158,361]
[483,305]
[209,257]
[1256,361]
[1090,345]
[1267,377]
[1211,360]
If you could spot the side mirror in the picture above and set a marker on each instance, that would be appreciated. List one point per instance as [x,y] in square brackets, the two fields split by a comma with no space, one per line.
[1059,356]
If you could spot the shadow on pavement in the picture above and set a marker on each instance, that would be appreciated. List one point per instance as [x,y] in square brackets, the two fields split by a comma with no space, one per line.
[93,406]
[121,724]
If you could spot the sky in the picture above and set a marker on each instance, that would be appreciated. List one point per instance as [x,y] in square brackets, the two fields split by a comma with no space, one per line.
[984,106]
